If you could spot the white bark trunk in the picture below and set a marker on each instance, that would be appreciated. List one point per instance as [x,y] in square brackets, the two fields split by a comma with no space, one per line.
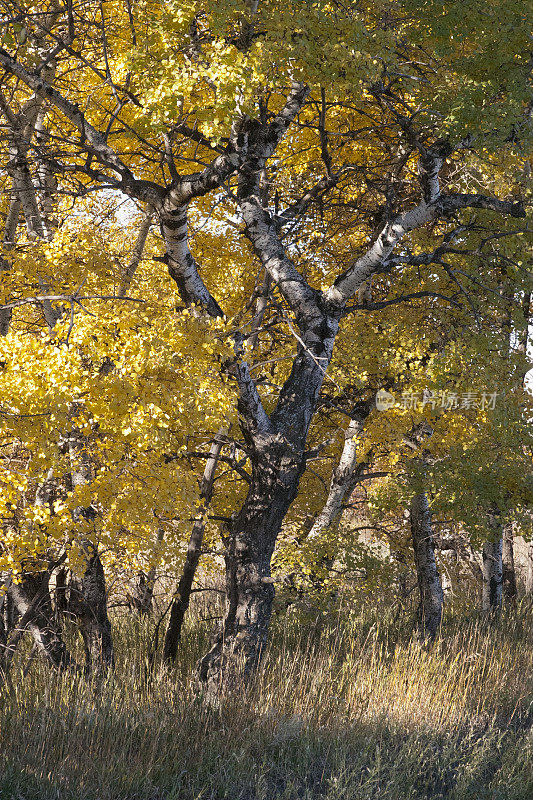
[21,129]
[47,183]
[529,571]
[343,480]
[8,242]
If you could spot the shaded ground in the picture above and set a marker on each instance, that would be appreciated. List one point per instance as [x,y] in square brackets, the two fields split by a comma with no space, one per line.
[346,709]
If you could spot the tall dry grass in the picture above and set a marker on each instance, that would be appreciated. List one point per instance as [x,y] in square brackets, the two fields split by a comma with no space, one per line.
[346,705]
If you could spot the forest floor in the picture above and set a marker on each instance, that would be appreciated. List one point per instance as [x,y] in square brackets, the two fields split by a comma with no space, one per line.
[346,707]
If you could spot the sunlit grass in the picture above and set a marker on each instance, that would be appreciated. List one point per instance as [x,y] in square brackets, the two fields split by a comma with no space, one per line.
[345,706]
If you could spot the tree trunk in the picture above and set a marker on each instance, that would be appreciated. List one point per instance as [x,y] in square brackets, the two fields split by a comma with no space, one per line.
[8,243]
[182,597]
[4,629]
[31,599]
[59,591]
[508,568]
[529,571]
[8,613]
[136,256]
[88,602]
[142,594]
[276,447]
[492,575]
[88,594]
[429,583]
[276,472]
[345,475]
[28,598]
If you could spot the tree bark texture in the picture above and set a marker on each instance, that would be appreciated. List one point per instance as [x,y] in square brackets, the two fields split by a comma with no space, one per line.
[28,602]
[508,566]
[492,570]
[345,476]
[429,615]
[88,603]
[276,470]
[142,594]
[88,593]
[528,588]
[31,599]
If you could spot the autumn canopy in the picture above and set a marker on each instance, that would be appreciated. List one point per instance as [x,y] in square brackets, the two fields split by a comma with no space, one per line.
[226,227]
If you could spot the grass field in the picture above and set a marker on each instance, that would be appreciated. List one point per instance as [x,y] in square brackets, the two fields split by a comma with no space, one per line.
[345,706]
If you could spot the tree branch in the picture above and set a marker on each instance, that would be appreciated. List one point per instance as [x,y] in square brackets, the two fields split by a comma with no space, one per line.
[393,232]
[92,139]
[261,228]
[400,299]
[250,406]
[181,264]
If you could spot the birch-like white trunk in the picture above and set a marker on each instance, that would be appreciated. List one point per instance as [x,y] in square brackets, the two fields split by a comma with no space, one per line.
[136,256]
[529,571]
[343,480]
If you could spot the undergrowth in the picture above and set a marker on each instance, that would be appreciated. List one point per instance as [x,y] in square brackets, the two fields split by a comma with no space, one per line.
[345,705]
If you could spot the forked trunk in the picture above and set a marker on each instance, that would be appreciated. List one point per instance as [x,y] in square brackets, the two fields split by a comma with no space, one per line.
[429,583]
[492,575]
[276,447]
